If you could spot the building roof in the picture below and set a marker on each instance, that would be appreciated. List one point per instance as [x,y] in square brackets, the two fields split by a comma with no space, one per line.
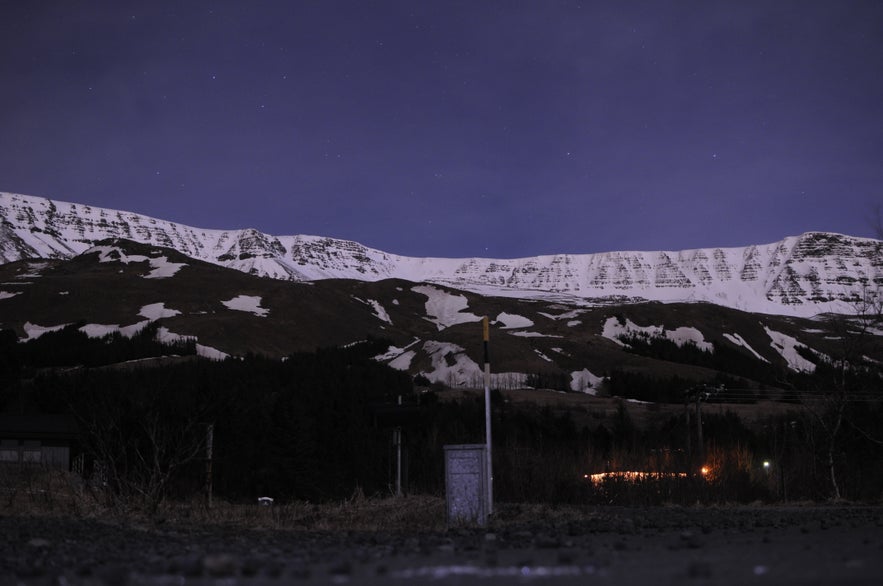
[38,426]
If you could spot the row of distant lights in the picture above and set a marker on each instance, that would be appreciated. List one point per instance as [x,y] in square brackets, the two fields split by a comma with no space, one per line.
[633,476]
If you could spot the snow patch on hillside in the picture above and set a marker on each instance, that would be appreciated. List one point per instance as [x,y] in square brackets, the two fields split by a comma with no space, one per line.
[161,267]
[398,358]
[390,353]
[155,311]
[151,312]
[33,271]
[101,330]
[511,321]
[247,303]
[583,381]
[165,336]
[450,364]
[34,331]
[7,294]
[445,309]
[574,313]
[541,355]
[787,347]
[739,341]
[615,330]
[523,334]
[403,360]
[685,335]
[379,311]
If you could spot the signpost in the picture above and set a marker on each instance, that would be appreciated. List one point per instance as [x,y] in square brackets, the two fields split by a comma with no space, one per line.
[487,416]
[468,470]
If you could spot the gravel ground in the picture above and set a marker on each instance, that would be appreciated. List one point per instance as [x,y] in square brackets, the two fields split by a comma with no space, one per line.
[664,545]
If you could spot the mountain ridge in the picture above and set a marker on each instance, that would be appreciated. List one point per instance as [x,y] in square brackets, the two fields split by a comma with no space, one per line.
[815,272]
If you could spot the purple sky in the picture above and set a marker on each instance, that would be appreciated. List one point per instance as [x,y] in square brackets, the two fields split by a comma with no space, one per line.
[444,128]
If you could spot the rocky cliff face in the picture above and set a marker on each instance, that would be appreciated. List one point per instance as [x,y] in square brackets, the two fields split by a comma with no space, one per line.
[802,275]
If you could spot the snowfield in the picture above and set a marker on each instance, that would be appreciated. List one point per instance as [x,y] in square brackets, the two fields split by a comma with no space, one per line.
[161,267]
[464,368]
[511,321]
[378,309]
[445,309]
[101,330]
[787,346]
[156,311]
[34,331]
[247,303]
[584,381]
[805,275]
[523,334]
[739,341]
[613,330]
[167,337]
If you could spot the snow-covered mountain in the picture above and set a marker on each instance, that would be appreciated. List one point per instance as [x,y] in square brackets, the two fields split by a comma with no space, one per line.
[804,275]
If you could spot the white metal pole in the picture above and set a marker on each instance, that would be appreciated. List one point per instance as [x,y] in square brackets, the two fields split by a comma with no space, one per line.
[487,418]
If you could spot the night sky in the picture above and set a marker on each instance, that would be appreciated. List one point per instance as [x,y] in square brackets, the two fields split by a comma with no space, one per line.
[441,128]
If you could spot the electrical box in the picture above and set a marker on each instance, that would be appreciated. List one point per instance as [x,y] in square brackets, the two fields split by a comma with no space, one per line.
[466,486]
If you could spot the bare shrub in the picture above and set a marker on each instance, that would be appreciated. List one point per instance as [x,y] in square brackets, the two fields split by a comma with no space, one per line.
[39,490]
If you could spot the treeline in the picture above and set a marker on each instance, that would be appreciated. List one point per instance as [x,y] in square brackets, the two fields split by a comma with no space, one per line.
[299,428]
[313,427]
[722,357]
[656,389]
[69,347]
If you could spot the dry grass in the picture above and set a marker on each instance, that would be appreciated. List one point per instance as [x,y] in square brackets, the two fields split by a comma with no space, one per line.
[358,513]
[41,492]
[35,490]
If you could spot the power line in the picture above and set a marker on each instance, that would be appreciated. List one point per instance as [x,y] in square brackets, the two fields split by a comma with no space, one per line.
[723,394]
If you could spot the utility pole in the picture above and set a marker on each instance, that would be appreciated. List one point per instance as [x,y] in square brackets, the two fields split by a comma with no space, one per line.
[697,394]
[700,445]
[687,433]
[397,440]
[487,416]
[209,448]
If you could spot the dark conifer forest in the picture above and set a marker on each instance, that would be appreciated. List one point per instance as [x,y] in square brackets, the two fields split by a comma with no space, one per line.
[316,426]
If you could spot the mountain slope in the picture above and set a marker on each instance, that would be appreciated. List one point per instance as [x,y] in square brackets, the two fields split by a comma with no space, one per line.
[432,330]
[802,276]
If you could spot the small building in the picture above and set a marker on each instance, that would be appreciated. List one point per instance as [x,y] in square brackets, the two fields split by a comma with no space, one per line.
[46,440]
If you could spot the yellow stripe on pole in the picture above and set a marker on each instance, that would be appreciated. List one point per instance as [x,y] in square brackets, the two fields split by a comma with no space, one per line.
[486,327]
